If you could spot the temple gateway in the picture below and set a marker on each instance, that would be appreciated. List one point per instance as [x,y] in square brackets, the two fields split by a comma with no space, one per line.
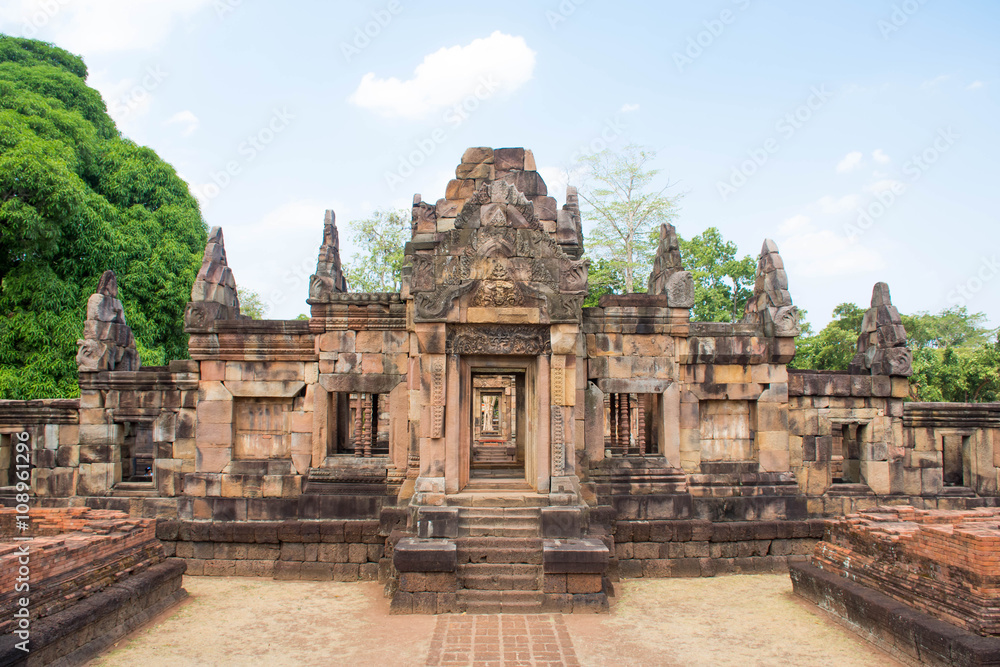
[480,441]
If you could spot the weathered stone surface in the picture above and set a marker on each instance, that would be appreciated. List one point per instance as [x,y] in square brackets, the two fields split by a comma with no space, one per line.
[108,343]
[882,346]
[771,304]
[329,277]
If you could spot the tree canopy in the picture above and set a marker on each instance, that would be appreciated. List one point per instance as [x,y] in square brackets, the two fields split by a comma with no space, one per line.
[955,357]
[76,199]
[722,281]
[627,207]
[380,239]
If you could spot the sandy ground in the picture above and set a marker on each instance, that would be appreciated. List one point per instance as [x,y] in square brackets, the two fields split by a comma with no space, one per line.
[733,620]
[736,620]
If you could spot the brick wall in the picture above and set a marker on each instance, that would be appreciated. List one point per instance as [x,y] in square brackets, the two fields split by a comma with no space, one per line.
[75,553]
[943,563]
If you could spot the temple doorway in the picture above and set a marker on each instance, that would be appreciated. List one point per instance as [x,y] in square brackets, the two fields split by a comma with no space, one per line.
[497,447]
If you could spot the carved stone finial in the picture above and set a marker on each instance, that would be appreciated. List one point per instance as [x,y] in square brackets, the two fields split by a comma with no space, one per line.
[771,303]
[107,343]
[882,346]
[108,284]
[213,295]
[668,276]
[329,277]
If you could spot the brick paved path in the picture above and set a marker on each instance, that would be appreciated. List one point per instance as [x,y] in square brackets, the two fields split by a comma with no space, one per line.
[501,641]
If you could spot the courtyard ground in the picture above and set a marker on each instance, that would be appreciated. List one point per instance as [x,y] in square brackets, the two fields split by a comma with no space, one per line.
[733,620]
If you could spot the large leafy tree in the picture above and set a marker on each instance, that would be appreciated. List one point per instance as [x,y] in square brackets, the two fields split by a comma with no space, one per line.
[380,239]
[76,199]
[626,203]
[722,281]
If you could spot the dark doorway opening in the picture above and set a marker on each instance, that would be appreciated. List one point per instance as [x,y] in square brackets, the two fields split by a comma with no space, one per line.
[498,425]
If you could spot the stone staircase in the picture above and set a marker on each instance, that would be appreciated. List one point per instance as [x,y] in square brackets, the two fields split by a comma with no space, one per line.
[500,574]
[499,521]
[500,550]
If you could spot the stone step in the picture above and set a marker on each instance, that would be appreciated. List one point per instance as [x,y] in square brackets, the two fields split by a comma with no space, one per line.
[500,576]
[496,499]
[499,550]
[492,484]
[504,529]
[496,602]
[516,513]
[754,479]
[742,491]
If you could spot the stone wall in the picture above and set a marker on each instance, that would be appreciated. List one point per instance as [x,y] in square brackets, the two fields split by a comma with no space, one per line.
[707,549]
[313,550]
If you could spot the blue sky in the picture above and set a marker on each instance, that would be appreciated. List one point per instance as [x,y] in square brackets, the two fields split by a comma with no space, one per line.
[860,135]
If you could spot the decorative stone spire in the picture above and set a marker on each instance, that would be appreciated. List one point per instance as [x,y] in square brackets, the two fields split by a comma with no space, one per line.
[882,346]
[107,342]
[329,277]
[771,304]
[569,224]
[668,276]
[213,295]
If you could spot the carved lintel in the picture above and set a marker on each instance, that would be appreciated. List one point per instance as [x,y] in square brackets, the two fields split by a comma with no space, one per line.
[518,339]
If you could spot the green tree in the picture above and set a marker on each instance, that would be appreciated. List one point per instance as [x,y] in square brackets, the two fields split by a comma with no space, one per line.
[77,199]
[380,239]
[603,277]
[722,281]
[955,357]
[834,346]
[625,208]
[251,304]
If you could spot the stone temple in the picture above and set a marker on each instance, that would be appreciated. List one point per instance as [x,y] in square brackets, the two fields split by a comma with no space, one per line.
[480,441]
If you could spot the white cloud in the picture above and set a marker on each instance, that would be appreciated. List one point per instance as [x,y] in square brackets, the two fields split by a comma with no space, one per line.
[794,224]
[498,64]
[187,120]
[629,108]
[824,253]
[98,26]
[280,272]
[975,85]
[935,82]
[879,156]
[850,162]
[833,205]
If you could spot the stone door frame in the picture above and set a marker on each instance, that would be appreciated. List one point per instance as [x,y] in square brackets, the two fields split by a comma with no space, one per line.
[458,452]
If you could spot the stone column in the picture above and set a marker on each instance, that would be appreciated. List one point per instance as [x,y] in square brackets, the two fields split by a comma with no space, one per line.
[543,443]
[670,424]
